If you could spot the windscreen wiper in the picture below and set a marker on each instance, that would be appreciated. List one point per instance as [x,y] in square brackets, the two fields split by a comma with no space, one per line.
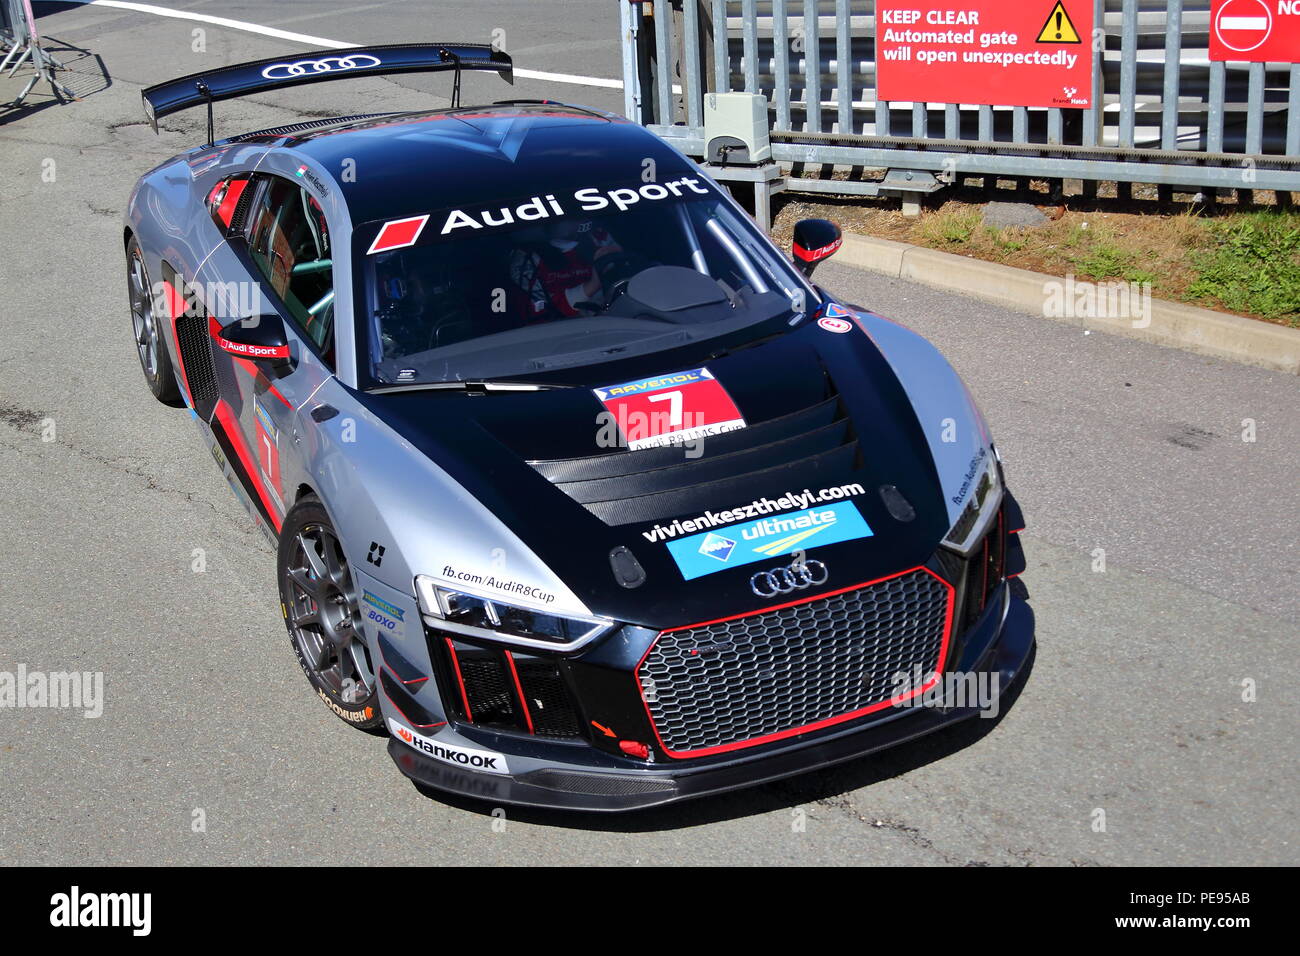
[471,386]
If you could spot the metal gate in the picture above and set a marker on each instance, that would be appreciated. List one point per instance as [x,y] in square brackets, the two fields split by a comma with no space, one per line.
[1163,114]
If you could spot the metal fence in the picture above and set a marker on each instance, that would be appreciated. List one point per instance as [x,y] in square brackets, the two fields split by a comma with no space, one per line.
[1163,113]
[22,44]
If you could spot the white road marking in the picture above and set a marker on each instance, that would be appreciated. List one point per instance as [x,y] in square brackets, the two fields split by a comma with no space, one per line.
[322,42]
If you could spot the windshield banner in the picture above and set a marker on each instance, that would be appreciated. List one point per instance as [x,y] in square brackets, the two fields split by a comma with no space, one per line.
[400,233]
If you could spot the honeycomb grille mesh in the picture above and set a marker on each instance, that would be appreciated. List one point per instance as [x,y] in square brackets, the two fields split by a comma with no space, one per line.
[730,682]
[192,339]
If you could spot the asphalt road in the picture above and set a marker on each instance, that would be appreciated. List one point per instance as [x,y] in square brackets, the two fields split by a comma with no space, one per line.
[1134,707]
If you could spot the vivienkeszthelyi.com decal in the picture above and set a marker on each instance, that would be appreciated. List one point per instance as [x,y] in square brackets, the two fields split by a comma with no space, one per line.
[713,551]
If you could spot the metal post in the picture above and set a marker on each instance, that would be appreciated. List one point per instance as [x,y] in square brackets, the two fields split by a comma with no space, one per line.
[1128,73]
[812,66]
[629,12]
[781,63]
[844,65]
[1173,64]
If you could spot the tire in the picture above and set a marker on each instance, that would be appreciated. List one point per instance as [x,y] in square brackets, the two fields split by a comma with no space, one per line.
[150,343]
[319,601]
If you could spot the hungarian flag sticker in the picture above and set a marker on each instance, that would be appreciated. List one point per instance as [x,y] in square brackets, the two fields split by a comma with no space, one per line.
[670,409]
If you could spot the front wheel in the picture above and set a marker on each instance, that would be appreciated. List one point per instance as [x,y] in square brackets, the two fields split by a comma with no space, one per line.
[149,342]
[321,610]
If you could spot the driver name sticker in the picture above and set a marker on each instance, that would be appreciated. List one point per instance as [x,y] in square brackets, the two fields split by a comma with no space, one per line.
[670,409]
[741,544]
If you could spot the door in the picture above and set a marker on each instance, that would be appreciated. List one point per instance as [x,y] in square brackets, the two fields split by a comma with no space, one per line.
[284,247]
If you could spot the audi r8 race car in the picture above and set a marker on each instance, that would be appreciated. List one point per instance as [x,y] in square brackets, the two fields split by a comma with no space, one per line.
[582,491]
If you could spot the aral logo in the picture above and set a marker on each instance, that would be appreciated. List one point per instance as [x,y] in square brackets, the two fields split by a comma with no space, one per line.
[716,546]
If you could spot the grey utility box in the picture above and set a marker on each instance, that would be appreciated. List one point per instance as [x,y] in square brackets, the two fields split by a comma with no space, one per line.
[735,129]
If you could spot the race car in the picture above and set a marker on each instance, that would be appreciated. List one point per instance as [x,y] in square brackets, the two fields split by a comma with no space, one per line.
[583,492]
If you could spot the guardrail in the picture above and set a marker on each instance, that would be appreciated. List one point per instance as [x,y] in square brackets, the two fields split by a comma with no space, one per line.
[1161,112]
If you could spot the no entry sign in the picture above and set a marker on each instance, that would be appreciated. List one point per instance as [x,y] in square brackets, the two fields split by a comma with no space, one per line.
[1256,31]
[1028,53]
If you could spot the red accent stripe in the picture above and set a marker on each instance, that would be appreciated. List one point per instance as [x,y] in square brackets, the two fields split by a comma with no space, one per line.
[398,708]
[815,255]
[176,307]
[231,425]
[510,659]
[413,680]
[819,725]
[455,663]
[276,392]
[248,365]
[226,211]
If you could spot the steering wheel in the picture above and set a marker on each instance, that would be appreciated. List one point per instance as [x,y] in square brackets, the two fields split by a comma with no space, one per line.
[614,267]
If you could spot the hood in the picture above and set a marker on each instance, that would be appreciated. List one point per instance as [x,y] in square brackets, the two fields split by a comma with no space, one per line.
[831,460]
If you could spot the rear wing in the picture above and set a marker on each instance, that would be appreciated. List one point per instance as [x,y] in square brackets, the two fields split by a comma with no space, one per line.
[279,72]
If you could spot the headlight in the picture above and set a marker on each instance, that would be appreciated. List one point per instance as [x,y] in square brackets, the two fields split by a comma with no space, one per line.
[981,508]
[473,615]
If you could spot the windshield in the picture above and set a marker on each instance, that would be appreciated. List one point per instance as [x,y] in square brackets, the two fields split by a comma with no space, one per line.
[563,280]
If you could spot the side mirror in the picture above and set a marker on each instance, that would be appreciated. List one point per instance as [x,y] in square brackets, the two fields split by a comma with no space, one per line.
[815,240]
[259,338]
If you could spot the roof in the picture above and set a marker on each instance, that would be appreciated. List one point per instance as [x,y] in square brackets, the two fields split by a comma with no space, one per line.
[409,163]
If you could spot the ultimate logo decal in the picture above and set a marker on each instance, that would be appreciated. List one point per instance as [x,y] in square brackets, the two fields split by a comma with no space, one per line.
[713,551]
[670,409]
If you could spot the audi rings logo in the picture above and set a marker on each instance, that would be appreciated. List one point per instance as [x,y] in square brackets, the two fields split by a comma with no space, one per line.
[326,64]
[796,577]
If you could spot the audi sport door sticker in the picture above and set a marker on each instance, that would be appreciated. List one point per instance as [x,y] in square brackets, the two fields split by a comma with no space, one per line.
[670,409]
[766,538]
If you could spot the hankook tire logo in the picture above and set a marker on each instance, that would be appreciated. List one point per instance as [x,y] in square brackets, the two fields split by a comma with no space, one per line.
[795,577]
[326,64]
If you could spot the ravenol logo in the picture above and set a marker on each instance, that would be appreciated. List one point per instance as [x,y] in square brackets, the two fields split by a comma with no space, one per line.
[676,380]
[707,553]
[379,604]
[716,546]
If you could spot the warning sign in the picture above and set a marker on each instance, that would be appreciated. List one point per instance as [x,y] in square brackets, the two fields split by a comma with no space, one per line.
[1058,28]
[1029,53]
[1255,31]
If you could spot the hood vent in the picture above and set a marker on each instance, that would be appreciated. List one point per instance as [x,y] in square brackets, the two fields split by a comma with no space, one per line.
[632,487]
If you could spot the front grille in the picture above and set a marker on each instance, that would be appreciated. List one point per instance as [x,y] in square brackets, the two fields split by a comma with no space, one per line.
[740,682]
[984,572]
[547,698]
[505,690]
[489,699]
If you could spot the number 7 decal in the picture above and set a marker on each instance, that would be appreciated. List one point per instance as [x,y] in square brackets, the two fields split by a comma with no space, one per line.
[674,400]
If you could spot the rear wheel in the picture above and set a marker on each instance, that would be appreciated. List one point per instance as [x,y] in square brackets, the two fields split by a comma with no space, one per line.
[322,612]
[149,342]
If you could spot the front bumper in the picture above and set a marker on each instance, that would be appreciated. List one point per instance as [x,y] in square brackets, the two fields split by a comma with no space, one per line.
[1001,646]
